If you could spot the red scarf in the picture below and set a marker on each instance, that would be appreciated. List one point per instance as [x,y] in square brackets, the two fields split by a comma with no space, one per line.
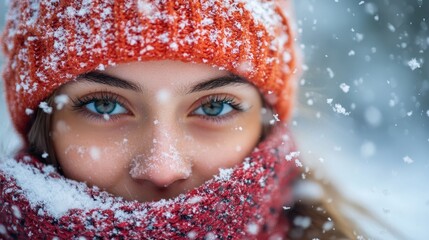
[245,202]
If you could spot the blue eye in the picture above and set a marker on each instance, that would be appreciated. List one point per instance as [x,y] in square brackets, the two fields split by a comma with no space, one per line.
[101,104]
[214,109]
[104,106]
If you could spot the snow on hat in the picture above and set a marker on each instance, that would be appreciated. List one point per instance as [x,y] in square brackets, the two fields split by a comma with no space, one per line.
[50,42]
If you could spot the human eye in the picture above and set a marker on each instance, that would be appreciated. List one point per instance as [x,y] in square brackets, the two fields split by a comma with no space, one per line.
[103,104]
[215,107]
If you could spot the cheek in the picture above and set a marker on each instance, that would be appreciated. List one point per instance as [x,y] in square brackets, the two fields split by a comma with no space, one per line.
[226,149]
[84,156]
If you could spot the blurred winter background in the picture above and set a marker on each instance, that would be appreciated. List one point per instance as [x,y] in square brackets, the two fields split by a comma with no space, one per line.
[363,104]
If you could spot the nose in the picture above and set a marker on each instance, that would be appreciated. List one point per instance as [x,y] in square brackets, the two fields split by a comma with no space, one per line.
[164,162]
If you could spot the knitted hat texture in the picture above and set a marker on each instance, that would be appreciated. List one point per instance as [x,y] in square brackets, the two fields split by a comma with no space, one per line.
[50,42]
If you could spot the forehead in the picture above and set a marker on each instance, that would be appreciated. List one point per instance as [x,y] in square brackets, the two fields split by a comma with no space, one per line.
[157,75]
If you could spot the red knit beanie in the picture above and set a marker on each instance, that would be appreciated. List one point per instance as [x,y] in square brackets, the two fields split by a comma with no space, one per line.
[48,43]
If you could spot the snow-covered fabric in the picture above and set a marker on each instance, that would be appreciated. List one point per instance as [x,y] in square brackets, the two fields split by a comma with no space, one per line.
[244,202]
[49,42]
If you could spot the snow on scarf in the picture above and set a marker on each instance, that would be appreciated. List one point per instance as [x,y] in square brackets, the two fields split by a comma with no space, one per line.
[243,202]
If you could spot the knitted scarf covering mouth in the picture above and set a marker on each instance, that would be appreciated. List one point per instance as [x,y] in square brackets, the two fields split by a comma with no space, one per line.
[244,202]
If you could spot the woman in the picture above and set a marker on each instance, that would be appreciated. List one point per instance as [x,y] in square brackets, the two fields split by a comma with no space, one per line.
[152,119]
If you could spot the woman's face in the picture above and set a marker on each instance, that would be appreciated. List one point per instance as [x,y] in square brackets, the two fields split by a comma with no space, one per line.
[152,130]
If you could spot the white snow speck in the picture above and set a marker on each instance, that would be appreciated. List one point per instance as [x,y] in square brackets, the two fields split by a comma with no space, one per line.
[2,229]
[192,235]
[16,212]
[328,225]
[29,111]
[345,87]
[298,163]
[101,67]
[61,100]
[45,107]
[352,53]
[146,8]
[391,27]
[292,155]
[410,113]
[195,199]
[337,107]
[245,67]
[359,37]
[210,236]
[94,152]
[106,117]
[340,109]
[367,149]
[239,128]
[62,126]
[371,8]
[427,113]
[276,117]
[207,21]
[163,96]
[174,46]
[301,221]
[408,160]
[361,2]
[330,72]
[45,155]
[253,228]
[414,64]
[224,174]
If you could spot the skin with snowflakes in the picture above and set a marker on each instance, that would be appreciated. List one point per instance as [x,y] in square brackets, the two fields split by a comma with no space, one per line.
[153,120]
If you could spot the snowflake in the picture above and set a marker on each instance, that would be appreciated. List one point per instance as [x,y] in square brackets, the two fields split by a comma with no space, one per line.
[414,64]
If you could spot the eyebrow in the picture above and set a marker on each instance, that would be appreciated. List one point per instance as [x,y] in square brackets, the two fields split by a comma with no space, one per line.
[99,77]
[218,82]
[102,78]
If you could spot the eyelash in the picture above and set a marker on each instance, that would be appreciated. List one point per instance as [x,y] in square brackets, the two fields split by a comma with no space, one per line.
[79,104]
[225,99]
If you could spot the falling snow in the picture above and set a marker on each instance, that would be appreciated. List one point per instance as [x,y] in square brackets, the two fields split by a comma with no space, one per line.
[345,87]
[388,40]
[45,107]
[408,160]
[414,64]
[391,27]
[330,72]
[29,111]
[2,229]
[253,228]
[61,101]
